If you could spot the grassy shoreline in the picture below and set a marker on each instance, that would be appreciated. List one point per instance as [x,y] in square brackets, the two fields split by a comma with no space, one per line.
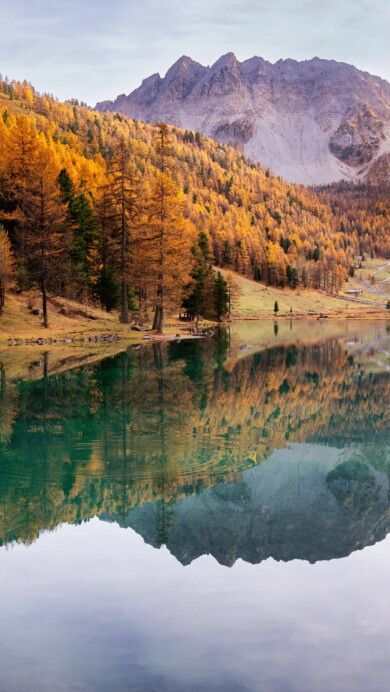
[79,322]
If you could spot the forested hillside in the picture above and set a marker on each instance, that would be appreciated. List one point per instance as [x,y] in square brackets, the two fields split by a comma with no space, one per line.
[102,207]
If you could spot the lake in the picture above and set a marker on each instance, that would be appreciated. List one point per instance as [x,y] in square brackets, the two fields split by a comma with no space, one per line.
[205,514]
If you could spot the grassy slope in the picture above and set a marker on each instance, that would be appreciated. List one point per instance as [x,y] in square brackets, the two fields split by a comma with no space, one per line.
[18,322]
[257,300]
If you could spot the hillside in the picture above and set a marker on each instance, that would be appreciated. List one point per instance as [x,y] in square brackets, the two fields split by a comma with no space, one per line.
[315,121]
[257,225]
[256,300]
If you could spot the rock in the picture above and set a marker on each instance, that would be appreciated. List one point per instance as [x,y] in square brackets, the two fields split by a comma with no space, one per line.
[64,311]
[136,328]
[315,121]
[36,311]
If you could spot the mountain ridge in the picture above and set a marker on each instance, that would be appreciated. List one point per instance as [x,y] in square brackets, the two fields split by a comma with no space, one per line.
[313,122]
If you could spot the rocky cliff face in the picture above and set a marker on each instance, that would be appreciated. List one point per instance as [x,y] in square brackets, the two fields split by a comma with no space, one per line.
[315,121]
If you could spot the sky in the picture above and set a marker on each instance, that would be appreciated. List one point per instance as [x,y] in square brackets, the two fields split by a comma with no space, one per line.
[96,49]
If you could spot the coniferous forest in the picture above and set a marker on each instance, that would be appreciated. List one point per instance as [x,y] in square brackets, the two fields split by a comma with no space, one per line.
[134,217]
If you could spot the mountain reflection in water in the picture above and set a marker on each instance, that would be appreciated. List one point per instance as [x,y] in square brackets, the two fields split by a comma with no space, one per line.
[281,452]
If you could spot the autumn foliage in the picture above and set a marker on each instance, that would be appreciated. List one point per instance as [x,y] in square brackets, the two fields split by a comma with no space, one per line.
[124,223]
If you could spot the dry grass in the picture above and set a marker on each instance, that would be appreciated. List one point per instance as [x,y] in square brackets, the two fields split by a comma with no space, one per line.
[257,301]
[18,322]
[378,269]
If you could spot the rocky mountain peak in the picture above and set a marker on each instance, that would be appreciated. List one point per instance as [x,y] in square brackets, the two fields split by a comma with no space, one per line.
[184,66]
[229,60]
[314,121]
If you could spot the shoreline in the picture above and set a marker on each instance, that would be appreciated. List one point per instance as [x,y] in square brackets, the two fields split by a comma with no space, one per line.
[145,335]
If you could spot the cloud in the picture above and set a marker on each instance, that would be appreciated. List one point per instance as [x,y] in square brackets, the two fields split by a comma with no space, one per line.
[93,49]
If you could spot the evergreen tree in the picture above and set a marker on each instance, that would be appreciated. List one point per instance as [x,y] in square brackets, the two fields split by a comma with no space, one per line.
[84,232]
[221,294]
[200,302]
[106,288]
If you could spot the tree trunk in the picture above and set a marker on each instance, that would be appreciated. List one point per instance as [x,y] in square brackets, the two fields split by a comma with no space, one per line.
[124,301]
[158,321]
[2,294]
[160,326]
[156,317]
[44,291]
[44,303]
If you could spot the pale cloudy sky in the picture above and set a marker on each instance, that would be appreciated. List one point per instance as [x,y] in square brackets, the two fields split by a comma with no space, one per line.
[97,49]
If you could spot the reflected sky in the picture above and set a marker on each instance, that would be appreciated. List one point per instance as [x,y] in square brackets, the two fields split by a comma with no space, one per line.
[138,620]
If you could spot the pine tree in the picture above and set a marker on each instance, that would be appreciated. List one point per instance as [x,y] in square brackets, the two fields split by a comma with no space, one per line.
[200,301]
[84,232]
[106,287]
[221,296]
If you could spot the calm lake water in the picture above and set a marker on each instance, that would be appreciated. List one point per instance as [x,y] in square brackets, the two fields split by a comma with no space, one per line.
[203,515]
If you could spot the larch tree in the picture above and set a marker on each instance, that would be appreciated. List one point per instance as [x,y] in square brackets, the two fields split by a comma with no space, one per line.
[169,236]
[234,292]
[19,160]
[6,265]
[123,194]
[46,218]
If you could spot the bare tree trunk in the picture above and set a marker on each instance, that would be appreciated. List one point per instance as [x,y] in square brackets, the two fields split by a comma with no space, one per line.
[124,301]
[44,290]
[2,294]
[44,303]
[156,318]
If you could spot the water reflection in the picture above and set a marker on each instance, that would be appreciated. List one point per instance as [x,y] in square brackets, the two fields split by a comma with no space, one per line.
[206,448]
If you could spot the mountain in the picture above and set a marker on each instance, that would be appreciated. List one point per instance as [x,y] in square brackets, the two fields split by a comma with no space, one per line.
[312,122]
[309,502]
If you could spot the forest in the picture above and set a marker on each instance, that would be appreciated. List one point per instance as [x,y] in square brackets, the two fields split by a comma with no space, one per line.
[98,207]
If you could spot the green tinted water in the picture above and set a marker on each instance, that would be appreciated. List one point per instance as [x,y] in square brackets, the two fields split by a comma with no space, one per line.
[266,446]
